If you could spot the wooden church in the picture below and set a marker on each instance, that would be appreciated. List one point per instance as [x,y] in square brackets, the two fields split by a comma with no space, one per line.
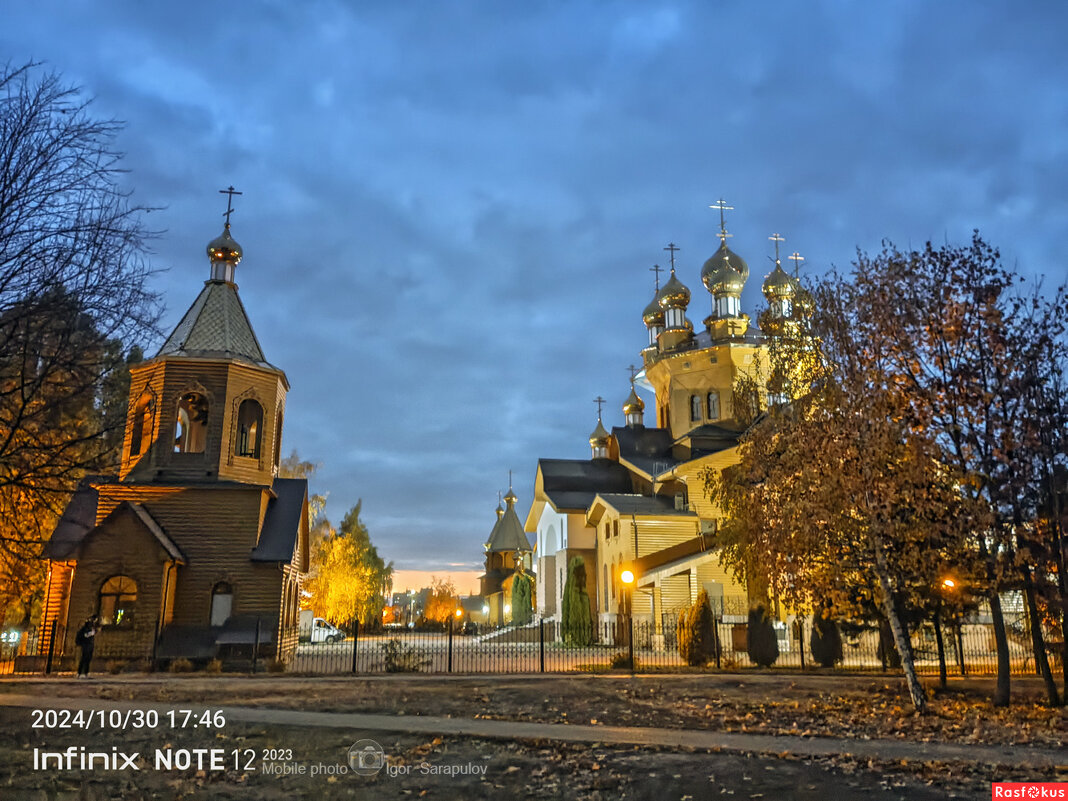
[197,548]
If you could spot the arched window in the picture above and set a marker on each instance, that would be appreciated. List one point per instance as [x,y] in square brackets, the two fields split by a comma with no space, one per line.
[191,427]
[141,433]
[249,428]
[278,440]
[606,587]
[222,603]
[712,402]
[695,408]
[118,600]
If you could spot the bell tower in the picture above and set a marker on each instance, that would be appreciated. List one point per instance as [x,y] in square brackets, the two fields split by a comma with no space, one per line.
[208,406]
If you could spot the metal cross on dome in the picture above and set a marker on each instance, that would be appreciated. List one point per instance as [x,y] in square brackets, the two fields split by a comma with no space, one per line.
[229,192]
[796,258]
[777,238]
[721,204]
[672,247]
[656,268]
[633,372]
[600,402]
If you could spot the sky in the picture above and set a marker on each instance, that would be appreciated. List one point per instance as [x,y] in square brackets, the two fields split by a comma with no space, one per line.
[450,209]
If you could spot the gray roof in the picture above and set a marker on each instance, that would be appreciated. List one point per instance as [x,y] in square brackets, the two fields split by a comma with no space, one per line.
[216,326]
[632,504]
[507,534]
[281,523]
[648,449]
[573,483]
[710,438]
[78,519]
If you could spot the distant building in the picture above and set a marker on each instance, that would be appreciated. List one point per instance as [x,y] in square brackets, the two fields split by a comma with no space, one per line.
[506,548]
[196,544]
[639,502]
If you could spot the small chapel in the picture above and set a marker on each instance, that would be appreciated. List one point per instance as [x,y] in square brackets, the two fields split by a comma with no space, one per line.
[196,549]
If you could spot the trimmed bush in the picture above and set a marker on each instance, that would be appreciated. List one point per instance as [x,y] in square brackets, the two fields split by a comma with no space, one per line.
[760,641]
[401,658]
[181,665]
[622,660]
[825,641]
[522,607]
[696,634]
[577,627]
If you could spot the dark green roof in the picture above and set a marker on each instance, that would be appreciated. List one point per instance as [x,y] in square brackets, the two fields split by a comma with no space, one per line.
[216,326]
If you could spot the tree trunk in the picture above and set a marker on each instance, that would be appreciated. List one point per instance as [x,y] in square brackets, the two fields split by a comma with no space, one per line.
[1038,643]
[882,572]
[1001,642]
[941,647]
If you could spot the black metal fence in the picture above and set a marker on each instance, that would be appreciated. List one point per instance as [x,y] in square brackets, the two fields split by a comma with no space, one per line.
[648,645]
[540,646]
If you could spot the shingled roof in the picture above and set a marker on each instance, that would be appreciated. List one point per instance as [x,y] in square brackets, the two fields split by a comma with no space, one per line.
[216,326]
[507,534]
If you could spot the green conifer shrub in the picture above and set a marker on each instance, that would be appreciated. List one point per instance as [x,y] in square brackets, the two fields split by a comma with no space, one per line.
[760,641]
[522,608]
[825,642]
[697,644]
[577,625]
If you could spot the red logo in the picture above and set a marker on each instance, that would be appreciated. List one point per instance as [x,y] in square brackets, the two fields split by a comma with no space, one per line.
[1029,790]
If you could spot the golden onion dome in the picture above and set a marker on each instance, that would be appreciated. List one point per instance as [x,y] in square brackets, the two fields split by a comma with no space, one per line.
[653,314]
[778,285]
[224,248]
[599,437]
[633,404]
[510,498]
[725,272]
[674,294]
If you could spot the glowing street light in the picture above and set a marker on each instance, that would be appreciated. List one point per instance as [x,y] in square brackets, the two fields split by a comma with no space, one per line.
[459,613]
[949,584]
[627,577]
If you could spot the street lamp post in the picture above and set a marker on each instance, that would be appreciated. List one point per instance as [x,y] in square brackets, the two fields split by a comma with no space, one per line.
[627,577]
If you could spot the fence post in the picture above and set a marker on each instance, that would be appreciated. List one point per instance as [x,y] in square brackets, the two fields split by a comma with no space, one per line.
[51,647]
[800,626]
[256,646]
[355,641]
[716,641]
[960,650]
[450,644]
[541,642]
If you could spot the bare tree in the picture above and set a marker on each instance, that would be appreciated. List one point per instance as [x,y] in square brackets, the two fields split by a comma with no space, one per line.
[73,295]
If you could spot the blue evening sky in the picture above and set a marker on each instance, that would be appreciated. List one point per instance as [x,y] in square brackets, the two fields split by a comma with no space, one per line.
[450,209]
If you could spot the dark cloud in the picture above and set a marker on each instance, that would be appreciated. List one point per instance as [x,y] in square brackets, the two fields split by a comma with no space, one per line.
[449,212]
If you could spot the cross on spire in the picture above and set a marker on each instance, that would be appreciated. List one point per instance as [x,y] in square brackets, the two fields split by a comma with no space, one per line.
[721,204]
[600,402]
[509,479]
[633,372]
[656,268]
[229,192]
[777,238]
[672,247]
[796,258]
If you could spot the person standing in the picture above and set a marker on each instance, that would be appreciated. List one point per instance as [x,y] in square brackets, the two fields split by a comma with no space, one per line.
[86,640]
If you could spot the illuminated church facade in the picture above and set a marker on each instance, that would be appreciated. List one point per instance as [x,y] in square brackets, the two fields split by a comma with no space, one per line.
[196,547]
[639,501]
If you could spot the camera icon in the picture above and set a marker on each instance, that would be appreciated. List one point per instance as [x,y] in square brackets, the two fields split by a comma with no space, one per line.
[366,757]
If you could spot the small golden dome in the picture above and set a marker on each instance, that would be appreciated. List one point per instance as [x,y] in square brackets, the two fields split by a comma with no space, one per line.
[725,272]
[510,498]
[778,285]
[674,294]
[224,248]
[599,437]
[633,404]
[653,314]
